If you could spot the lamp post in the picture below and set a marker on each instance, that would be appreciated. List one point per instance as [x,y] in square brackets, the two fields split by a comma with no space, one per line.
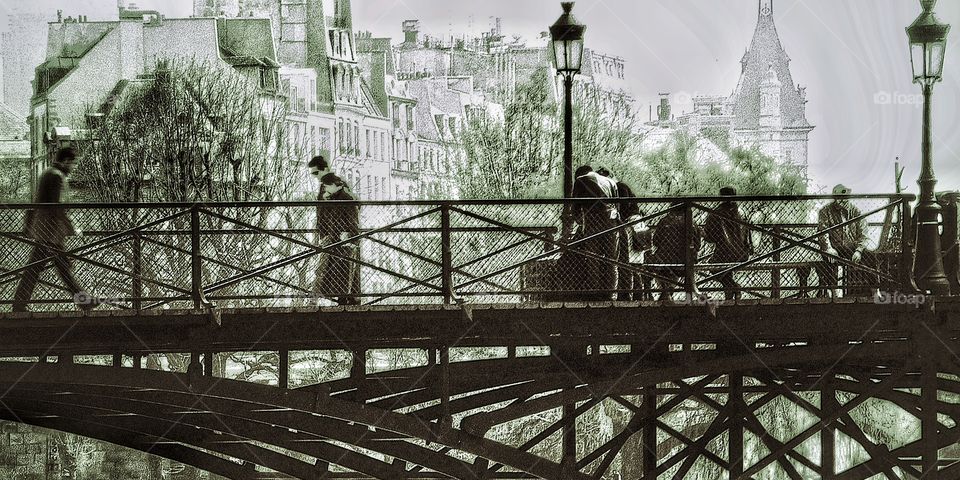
[928,41]
[567,39]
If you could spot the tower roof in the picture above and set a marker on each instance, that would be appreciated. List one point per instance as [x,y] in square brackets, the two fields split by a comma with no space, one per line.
[766,53]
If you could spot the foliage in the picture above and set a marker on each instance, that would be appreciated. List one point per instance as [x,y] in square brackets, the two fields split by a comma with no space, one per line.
[520,156]
[194,131]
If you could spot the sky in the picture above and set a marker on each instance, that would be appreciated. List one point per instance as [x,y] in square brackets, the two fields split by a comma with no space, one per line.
[852,56]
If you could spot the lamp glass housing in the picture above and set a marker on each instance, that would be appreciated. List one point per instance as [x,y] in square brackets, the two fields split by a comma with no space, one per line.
[568,55]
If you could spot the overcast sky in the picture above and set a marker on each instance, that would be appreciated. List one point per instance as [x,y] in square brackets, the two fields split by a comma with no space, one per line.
[850,54]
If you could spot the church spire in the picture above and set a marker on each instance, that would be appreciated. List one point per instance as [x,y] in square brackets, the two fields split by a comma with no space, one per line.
[766,8]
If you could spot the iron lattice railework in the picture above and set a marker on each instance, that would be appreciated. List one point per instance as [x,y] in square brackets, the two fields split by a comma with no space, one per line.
[144,256]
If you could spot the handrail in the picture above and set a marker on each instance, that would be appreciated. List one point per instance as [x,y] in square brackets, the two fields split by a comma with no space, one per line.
[544,201]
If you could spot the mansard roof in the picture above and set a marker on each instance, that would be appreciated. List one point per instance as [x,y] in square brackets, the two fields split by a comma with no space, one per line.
[766,52]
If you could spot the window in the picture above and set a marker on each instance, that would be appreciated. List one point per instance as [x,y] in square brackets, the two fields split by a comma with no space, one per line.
[368,142]
[313,140]
[410,117]
[324,140]
[396,116]
[356,138]
[383,145]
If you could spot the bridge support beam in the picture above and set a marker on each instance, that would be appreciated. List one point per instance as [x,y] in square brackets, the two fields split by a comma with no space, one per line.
[648,410]
[443,354]
[283,369]
[735,447]
[828,434]
[928,346]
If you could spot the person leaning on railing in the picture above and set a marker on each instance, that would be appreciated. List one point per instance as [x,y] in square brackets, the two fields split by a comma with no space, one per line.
[49,227]
[627,211]
[595,218]
[669,243]
[725,229]
[848,241]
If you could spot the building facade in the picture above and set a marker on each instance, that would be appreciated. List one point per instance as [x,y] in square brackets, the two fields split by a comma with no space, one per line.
[22,51]
[90,63]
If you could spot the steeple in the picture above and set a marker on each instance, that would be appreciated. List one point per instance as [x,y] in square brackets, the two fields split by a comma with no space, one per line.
[764,59]
[766,8]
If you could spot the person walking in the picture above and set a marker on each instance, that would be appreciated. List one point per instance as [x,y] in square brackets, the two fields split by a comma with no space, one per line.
[338,222]
[725,229]
[49,227]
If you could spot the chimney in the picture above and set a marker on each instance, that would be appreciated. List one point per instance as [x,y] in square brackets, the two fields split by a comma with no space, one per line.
[411,32]
[378,79]
[303,42]
[663,110]
[342,15]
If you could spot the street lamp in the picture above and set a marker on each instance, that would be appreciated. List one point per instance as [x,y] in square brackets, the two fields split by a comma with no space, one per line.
[928,41]
[567,37]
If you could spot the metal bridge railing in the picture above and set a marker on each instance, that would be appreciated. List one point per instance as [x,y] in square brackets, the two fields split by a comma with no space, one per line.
[185,256]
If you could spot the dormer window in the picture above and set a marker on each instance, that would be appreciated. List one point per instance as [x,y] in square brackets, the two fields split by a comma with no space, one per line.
[268,78]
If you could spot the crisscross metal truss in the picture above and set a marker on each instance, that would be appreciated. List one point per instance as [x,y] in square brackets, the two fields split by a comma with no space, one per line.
[883,402]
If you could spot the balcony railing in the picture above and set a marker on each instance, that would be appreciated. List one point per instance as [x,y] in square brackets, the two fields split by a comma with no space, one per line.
[184,256]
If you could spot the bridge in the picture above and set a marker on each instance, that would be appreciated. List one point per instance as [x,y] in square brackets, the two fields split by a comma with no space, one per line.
[206,346]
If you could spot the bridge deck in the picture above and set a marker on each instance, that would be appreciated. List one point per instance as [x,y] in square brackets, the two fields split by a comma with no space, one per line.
[526,324]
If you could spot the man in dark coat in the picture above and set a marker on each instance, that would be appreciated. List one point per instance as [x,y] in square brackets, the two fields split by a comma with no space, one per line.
[50,227]
[597,217]
[670,248]
[625,277]
[731,240]
[339,222]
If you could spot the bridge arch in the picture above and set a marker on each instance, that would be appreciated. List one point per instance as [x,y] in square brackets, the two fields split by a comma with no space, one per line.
[239,420]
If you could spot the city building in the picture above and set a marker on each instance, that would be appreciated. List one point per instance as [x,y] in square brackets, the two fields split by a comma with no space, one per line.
[497,65]
[766,109]
[89,64]
[14,156]
[22,51]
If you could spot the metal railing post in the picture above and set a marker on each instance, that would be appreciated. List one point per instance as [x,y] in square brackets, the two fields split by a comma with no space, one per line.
[136,291]
[949,239]
[690,262]
[907,254]
[446,254]
[776,273]
[196,270]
